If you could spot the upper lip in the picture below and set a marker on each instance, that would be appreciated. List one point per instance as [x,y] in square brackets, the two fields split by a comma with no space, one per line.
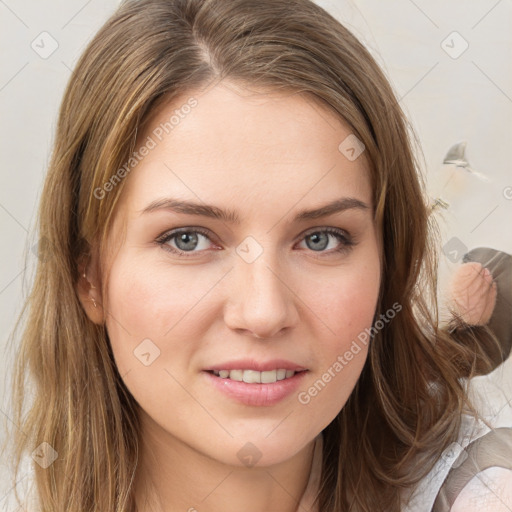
[260,366]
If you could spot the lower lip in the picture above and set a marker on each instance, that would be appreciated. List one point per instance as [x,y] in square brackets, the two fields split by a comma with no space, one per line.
[257,394]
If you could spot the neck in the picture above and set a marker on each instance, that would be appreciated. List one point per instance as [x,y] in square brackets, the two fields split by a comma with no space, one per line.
[174,477]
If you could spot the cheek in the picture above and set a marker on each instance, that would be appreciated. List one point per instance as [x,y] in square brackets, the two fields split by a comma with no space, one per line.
[347,307]
[352,309]
[147,303]
[152,330]
[151,298]
[347,300]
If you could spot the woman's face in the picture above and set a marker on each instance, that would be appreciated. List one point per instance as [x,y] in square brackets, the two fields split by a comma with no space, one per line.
[222,274]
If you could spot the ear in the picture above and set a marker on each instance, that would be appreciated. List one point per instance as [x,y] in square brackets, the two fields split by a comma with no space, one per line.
[89,288]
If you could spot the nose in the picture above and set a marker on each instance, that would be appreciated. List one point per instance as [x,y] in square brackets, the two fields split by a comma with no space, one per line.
[262,301]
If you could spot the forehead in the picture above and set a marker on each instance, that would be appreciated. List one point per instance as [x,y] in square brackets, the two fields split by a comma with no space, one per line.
[248,147]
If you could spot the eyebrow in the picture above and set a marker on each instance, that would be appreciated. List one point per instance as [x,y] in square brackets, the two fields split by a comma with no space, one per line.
[230,216]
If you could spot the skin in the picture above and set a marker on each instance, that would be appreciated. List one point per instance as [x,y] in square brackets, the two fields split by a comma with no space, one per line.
[267,156]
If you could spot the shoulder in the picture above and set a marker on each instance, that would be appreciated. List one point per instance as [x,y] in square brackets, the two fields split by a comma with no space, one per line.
[475,471]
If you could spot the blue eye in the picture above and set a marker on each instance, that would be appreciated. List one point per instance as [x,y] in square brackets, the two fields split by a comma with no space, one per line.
[320,239]
[187,240]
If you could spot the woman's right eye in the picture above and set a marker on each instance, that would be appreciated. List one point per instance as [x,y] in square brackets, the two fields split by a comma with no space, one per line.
[185,240]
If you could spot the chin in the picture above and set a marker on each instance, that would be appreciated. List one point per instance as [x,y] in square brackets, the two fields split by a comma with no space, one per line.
[260,450]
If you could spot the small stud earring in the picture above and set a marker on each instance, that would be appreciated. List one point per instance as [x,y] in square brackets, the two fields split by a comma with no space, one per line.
[85,277]
[94,302]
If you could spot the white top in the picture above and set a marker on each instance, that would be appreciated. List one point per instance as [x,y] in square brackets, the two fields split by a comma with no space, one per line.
[468,489]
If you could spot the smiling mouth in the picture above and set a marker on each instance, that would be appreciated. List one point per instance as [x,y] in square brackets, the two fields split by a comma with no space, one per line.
[254,376]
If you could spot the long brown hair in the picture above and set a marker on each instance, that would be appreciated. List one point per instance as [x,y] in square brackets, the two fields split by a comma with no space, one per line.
[405,409]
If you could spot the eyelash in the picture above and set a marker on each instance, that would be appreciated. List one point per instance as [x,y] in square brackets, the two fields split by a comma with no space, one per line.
[346,246]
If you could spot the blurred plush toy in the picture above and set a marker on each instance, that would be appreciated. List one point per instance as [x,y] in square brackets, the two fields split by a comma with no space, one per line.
[481,303]
[473,293]
[481,296]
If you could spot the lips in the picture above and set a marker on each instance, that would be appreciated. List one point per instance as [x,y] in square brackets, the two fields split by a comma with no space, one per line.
[256,383]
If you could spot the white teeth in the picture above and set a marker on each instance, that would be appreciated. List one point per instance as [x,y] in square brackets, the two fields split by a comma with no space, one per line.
[255,377]
[236,375]
[252,377]
[268,377]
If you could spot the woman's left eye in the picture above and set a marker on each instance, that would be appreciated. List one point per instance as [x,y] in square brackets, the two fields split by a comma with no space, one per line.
[320,239]
[187,240]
